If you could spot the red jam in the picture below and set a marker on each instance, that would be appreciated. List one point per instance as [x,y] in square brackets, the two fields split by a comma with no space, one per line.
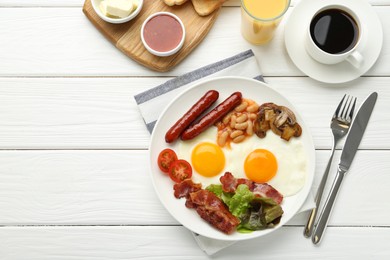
[163,33]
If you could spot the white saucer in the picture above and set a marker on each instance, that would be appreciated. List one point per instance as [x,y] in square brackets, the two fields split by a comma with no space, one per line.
[295,33]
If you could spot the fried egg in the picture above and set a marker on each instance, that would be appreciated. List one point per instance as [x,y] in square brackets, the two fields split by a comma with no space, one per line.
[273,160]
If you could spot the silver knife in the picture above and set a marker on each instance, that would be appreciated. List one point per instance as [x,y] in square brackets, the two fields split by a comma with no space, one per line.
[350,148]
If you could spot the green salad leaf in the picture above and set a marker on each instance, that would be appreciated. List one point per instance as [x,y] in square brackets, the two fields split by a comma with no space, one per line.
[217,190]
[263,213]
[240,201]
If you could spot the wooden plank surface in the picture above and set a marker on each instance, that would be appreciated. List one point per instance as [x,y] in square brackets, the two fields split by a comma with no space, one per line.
[115,188]
[88,53]
[100,113]
[97,243]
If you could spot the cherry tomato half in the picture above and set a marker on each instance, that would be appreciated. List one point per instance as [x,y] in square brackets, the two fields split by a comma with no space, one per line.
[180,170]
[165,159]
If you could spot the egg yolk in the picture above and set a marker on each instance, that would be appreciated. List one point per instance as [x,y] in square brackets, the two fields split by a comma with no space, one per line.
[260,165]
[208,159]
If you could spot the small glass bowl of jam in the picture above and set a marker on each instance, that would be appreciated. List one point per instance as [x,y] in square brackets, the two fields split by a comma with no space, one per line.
[163,34]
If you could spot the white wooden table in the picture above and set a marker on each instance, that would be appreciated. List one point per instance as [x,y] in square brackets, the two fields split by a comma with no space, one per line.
[74,182]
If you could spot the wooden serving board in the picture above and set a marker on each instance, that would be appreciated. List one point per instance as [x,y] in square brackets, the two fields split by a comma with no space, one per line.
[126,37]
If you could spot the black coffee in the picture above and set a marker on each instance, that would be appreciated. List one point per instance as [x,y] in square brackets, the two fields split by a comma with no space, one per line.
[334,31]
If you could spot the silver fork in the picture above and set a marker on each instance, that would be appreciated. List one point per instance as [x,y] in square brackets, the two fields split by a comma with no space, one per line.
[340,123]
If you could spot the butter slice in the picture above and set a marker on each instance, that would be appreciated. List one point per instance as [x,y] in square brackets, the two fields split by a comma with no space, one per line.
[103,7]
[119,8]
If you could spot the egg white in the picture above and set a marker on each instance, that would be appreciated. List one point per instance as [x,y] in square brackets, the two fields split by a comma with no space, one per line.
[184,149]
[290,156]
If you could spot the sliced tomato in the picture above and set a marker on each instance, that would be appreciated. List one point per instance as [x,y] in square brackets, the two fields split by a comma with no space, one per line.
[180,170]
[165,159]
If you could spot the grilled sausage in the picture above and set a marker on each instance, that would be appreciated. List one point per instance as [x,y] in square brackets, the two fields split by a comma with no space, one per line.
[213,116]
[191,115]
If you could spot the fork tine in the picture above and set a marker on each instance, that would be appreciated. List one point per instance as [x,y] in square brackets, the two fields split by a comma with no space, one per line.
[347,103]
[352,109]
[336,113]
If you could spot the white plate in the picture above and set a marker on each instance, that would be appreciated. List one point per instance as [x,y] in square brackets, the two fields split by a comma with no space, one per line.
[253,89]
[295,32]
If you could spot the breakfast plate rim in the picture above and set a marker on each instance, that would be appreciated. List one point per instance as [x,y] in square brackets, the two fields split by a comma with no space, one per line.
[163,186]
[294,35]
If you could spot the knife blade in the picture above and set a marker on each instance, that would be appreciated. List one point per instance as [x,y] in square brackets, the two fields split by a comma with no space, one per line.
[357,130]
[351,146]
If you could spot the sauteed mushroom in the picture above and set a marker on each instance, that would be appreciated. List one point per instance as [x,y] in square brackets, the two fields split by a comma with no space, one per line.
[280,119]
[285,116]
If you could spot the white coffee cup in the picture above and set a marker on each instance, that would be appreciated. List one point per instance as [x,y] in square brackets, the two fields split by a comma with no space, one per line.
[350,54]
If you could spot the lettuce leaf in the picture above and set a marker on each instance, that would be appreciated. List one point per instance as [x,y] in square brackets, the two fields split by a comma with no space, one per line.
[217,190]
[240,201]
[237,202]
[263,213]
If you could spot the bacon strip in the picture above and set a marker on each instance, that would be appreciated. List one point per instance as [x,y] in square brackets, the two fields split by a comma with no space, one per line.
[184,188]
[213,210]
[207,204]
[230,184]
[266,190]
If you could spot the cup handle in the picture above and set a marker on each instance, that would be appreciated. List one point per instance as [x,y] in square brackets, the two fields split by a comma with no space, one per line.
[356,59]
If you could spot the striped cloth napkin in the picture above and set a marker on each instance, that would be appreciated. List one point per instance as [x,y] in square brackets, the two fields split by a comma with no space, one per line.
[152,102]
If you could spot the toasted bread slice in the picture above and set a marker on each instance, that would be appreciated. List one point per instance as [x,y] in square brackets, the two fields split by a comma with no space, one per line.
[174,2]
[206,7]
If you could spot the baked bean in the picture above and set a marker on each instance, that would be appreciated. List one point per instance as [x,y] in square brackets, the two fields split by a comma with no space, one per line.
[239,139]
[236,133]
[252,116]
[241,126]
[232,121]
[249,129]
[241,107]
[226,118]
[242,118]
[252,108]
[222,138]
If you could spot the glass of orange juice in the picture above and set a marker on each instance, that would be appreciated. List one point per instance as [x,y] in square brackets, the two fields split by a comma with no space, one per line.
[259,19]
